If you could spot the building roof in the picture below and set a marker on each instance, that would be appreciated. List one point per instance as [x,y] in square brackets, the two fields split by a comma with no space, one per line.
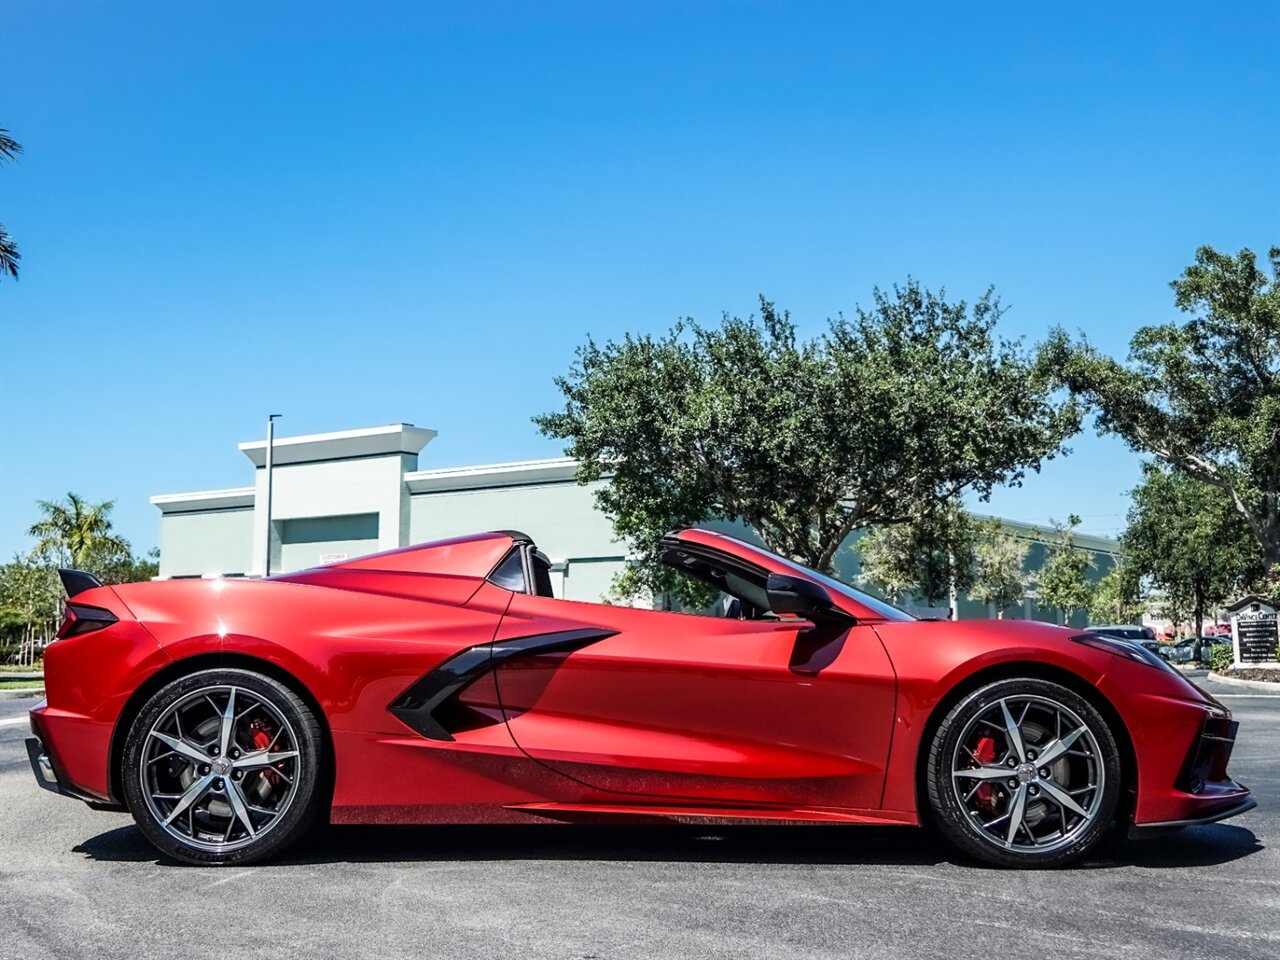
[1247,601]
[1044,534]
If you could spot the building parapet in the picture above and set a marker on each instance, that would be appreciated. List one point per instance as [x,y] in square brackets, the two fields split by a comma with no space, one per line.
[229,499]
[343,445]
[515,474]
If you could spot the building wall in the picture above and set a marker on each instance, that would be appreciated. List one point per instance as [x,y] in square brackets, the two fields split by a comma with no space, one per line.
[340,488]
[560,517]
[206,543]
[308,542]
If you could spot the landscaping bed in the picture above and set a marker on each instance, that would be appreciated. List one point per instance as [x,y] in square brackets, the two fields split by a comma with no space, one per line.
[9,684]
[1251,673]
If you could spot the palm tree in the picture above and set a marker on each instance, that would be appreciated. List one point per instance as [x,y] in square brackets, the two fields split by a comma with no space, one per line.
[76,533]
[9,255]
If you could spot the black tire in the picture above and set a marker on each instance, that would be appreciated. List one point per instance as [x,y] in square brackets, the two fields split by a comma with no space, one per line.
[960,808]
[291,784]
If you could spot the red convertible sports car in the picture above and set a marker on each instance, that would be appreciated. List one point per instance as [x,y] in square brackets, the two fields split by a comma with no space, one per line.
[445,683]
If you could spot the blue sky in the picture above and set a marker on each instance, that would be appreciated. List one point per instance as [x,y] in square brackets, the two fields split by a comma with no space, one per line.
[362,214]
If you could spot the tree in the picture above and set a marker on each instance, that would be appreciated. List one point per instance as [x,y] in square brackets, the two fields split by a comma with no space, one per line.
[883,417]
[1267,586]
[9,255]
[1118,595]
[127,568]
[76,533]
[1188,537]
[1064,579]
[1202,395]
[1000,576]
[30,606]
[933,557]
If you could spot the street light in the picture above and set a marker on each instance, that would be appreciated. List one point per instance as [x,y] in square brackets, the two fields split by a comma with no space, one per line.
[271,441]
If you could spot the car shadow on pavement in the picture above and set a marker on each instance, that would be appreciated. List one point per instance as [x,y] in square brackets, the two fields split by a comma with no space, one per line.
[1202,846]
[1197,846]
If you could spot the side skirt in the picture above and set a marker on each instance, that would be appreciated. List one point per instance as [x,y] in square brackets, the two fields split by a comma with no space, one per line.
[578,812]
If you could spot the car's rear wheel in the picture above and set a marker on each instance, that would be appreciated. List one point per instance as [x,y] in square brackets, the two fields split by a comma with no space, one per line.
[1024,773]
[221,766]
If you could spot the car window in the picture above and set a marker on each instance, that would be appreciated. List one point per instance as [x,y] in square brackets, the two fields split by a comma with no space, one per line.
[509,574]
[745,580]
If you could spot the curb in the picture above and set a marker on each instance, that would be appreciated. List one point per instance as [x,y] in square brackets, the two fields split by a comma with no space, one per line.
[21,694]
[1251,684]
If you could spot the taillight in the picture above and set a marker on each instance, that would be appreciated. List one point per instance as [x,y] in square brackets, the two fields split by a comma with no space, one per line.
[84,619]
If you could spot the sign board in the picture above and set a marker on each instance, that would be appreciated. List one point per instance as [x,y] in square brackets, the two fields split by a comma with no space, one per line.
[332,558]
[1255,633]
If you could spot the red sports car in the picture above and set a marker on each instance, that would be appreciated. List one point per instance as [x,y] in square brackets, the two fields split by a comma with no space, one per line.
[445,683]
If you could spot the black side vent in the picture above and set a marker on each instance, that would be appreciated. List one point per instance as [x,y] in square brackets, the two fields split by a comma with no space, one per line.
[422,705]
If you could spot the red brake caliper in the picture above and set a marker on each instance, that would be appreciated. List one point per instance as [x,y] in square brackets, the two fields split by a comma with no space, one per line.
[260,734]
[986,753]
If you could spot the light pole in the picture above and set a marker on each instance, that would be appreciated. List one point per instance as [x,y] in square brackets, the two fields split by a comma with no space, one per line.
[271,442]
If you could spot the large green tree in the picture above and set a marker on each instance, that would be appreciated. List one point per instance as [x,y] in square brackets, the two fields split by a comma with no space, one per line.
[76,533]
[887,414]
[1117,598]
[1000,576]
[1202,394]
[1063,580]
[933,557]
[1187,536]
[9,255]
[128,568]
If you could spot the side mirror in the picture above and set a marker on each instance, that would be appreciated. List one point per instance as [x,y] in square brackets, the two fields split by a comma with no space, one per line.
[796,595]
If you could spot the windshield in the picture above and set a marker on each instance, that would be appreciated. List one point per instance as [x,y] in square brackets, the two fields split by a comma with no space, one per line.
[880,607]
[1126,633]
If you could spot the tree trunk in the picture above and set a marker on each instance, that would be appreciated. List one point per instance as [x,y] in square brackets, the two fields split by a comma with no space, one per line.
[1271,550]
[1198,613]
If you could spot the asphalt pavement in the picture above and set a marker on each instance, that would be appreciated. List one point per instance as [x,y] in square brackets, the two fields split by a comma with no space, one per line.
[75,883]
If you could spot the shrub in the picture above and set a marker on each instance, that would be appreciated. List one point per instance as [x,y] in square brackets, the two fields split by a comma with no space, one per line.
[1221,658]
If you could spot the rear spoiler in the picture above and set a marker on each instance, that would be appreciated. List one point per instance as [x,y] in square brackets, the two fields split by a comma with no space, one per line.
[77,581]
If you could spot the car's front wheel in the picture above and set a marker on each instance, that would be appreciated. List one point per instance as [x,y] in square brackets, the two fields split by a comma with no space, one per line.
[221,766]
[1024,773]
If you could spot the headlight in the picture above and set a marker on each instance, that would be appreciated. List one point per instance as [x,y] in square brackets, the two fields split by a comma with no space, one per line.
[1123,648]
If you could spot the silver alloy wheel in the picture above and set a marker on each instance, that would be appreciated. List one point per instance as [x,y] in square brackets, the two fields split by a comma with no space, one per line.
[1029,774]
[220,767]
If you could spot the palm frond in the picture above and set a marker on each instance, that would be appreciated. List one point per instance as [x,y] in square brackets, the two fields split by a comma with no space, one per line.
[9,147]
[9,255]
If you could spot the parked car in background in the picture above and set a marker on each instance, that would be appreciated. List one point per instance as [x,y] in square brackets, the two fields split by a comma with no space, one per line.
[1134,633]
[1194,649]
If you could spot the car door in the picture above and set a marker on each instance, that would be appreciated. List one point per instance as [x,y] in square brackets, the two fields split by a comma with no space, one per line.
[673,705]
